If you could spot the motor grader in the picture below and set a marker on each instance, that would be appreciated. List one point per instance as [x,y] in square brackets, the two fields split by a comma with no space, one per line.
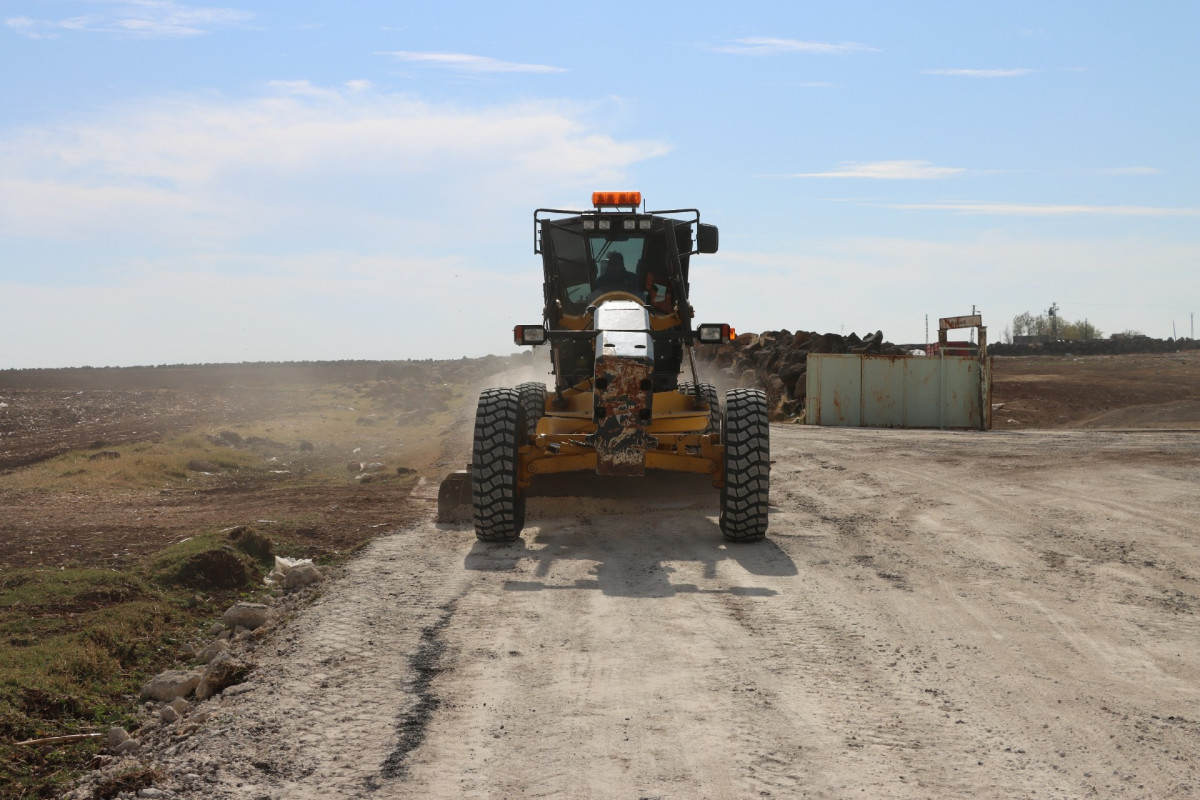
[618,325]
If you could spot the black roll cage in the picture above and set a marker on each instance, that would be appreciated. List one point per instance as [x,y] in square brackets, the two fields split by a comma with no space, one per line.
[678,280]
[598,214]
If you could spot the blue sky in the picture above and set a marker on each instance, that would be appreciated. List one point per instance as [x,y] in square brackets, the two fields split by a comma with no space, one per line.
[299,180]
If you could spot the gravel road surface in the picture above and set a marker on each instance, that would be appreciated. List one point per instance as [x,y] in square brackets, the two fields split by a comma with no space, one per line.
[934,614]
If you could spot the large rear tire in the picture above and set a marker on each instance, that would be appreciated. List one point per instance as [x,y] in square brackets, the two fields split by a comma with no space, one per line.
[533,401]
[708,393]
[498,504]
[745,495]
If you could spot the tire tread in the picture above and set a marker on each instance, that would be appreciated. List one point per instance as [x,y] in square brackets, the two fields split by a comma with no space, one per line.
[745,496]
[498,505]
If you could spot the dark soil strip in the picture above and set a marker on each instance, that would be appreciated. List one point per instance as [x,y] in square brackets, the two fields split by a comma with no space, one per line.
[427,664]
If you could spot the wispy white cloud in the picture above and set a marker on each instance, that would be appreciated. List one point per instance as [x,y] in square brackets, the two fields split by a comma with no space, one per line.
[1049,210]
[340,205]
[982,73]
[1129,171]
[28,27]
[770,46]
[886,170]
[136,18]
[465,62]
[304,157]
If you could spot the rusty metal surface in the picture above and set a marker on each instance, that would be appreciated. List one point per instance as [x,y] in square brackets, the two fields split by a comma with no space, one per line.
[965,321]
[623,396]
[898,391]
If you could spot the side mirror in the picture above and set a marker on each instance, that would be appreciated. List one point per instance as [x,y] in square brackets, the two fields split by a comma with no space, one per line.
[706,238]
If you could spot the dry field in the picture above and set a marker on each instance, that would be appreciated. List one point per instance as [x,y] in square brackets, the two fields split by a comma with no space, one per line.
[934,614]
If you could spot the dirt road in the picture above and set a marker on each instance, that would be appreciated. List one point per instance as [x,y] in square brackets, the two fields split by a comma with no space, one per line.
[1004,614]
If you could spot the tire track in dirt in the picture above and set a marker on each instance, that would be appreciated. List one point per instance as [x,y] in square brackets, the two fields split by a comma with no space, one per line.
[628,638]
[901,633]
[335,707]
[1020,626]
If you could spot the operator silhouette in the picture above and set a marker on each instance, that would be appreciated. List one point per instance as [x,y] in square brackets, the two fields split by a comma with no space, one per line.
[616,278]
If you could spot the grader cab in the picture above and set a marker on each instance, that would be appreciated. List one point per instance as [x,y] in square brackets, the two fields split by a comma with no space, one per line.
[619,327]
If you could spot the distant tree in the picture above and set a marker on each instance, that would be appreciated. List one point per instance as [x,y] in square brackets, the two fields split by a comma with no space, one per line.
[1026,324]
[1006,337]
[1022,324]
[1081,331]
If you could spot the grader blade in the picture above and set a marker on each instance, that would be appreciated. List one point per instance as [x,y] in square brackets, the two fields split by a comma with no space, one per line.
[454,497]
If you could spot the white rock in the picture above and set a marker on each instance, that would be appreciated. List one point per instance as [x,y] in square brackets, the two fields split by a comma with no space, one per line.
[292,573]
[180,705]
[248,615]
[171,684]
[212,651]
[116,736]
[127,747]
[168,714]
[303,575]
[223,671]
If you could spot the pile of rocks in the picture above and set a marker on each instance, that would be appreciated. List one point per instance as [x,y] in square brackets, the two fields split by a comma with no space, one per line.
[777,362]
[173,709]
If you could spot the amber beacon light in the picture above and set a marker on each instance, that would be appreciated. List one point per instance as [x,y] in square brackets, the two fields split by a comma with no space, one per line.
[616,199]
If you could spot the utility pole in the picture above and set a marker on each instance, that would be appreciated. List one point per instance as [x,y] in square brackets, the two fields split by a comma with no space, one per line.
[1053,314]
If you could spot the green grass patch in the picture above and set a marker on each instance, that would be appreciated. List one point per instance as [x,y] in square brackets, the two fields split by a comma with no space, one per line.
[207,562]
[76,645]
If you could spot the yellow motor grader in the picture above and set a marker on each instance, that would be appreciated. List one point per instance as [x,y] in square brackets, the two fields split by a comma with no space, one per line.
[619,327]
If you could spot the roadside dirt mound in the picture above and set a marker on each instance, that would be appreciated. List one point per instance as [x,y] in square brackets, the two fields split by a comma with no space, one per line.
[216,569]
